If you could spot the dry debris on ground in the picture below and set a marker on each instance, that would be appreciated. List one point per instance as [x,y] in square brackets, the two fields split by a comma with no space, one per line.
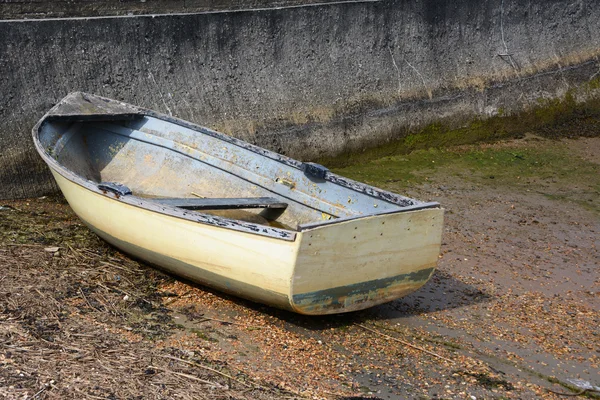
[512,312]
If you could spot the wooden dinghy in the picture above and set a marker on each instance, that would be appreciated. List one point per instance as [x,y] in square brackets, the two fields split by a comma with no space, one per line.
[233,216]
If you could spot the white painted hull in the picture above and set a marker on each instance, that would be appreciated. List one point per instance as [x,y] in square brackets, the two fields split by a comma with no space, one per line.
[332,269]
[251,266]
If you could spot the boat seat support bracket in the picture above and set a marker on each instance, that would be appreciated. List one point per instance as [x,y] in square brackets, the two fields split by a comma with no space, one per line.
[315,170]
[113,187]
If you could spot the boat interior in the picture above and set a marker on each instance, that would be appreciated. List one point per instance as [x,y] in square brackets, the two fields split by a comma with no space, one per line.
[201,170]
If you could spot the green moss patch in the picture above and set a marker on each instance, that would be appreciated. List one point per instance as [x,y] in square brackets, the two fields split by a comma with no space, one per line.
[531,164]
[554,118]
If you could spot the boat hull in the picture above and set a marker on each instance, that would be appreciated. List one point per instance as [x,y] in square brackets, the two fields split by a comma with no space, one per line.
[251,266]
[326,270]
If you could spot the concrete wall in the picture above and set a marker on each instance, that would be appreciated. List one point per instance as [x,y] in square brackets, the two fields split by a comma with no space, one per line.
[21,9]
[309,81]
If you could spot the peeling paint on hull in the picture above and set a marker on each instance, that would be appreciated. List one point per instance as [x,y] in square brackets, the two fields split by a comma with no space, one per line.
[360,295]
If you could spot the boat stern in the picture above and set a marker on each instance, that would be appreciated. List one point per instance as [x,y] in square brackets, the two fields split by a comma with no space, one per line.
[364,262]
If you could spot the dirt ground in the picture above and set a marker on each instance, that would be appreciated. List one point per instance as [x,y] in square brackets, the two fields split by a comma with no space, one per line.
[512,312]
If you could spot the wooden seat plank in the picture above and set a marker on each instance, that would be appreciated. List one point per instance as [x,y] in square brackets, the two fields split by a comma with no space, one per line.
[222,203]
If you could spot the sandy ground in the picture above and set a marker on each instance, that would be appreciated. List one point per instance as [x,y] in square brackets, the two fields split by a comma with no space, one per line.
[512,312]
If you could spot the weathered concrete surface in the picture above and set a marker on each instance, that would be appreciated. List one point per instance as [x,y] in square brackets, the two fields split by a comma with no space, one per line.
[310,81]
[18,9]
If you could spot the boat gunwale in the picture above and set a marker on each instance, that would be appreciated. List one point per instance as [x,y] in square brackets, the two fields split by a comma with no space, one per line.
[315,225]
[132,112]
[192,216]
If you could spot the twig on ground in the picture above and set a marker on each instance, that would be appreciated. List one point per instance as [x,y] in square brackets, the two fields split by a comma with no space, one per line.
[82,335]
[209,369]
[568,394]
[117,313]
[91,253]
[46,386]
[203,318]
[406,343]
[91,396]
[137,271]
[124,292]
[16,348]
[22,245]
[75,252]
[42,295]
[87,301]
[186,376]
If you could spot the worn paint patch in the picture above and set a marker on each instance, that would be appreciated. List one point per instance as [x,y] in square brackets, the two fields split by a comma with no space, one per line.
[353,297]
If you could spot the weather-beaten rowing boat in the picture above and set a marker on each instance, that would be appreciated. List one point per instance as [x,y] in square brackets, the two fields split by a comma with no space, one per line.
[234,216]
